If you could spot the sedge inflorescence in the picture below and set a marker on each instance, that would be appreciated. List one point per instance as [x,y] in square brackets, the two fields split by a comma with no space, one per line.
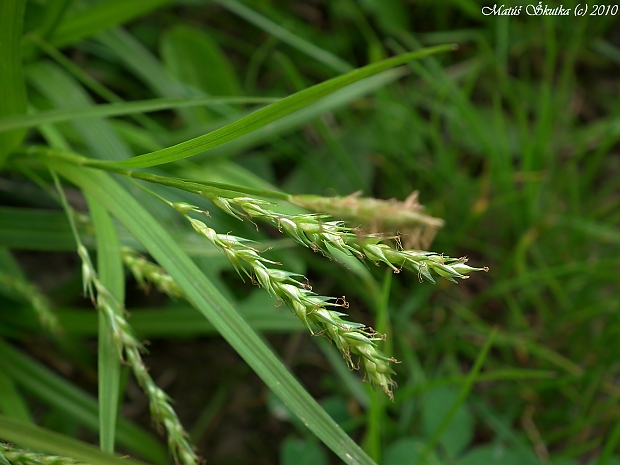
[320,314]
[129,349]
[146,273]
[17,456]
[317,232]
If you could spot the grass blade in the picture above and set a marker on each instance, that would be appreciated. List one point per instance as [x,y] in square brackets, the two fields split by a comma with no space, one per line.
[273,112]
[59,87]
[148,68]
[183,321]
[56,391]
[463,393]
[282,126]
[11,402]
[208,300]
[41,439]
[111,273]
[260,21]
[101,16]
[13,97]
[120,109]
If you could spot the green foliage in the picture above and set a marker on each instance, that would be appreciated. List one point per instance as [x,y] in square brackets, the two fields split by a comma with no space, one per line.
[117,111]
[13,98]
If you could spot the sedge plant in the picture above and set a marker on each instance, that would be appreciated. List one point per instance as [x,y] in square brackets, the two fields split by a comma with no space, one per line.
[152,113]
[376,232]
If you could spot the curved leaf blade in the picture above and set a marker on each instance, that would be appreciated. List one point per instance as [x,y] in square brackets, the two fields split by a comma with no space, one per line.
[268,114]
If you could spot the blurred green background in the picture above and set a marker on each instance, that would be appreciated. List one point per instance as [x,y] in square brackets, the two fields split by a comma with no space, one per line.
[512,140]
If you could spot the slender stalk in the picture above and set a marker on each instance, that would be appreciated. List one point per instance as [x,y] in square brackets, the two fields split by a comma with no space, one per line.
[206,189]
[129,348]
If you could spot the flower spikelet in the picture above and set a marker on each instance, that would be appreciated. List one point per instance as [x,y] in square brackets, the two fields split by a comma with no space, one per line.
[317,313]
[146,272]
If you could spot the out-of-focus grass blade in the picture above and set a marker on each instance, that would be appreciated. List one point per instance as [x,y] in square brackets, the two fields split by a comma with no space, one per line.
[120,109]
[65,92]
[273,112]
[12,403]
[141,62]
[463,393]
[319,54]
[194,58]
[40,439]
[510,374]
[181,320]
[597,230]
[52,16]
[54,390]
[101,16]
[300,117]
[138,59]
[87,80]
[29,229]
[503,428]
[13,95]
[111,274]
[208,300]
[610,446]
[176,321]
[606,49]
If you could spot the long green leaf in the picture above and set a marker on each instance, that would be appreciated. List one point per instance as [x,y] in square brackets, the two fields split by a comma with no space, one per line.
[11,401]
[37,438]
[29,229]
[52,16]
[177,321]
[110,269]
[148,68]
[462,396]
[72,401]
[101,16]
[336,100]
[13,95]
[119,109]
[273,112]
[286,36]
[65,92]
[207,299]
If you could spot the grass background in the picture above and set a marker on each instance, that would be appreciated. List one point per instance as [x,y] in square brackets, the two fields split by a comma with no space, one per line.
[512,139]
